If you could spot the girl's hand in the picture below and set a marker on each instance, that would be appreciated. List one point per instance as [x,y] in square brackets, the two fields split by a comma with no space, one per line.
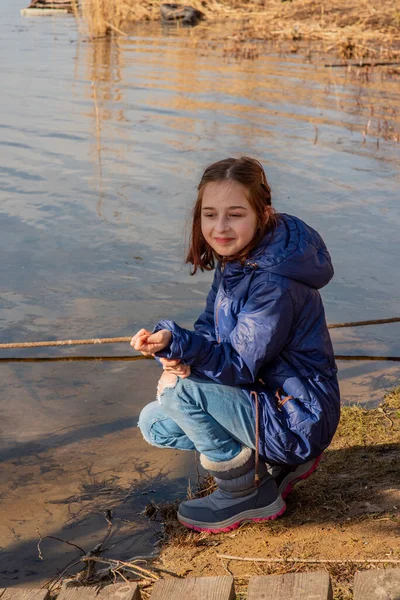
[169,363]
[182,371]
[175,367]
[140,337]
[142,333]
[149,343]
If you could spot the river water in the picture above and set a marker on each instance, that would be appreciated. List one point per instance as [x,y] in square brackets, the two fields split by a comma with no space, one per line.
[102,145]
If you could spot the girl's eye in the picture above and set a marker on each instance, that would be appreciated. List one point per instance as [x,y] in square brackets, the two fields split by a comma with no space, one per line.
[213,215]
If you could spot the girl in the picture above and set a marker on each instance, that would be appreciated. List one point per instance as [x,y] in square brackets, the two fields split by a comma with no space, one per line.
[256,379]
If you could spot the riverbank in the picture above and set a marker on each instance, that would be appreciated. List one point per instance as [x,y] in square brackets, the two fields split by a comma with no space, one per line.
[348,511]
[102,155]
[356,31]
[343,519]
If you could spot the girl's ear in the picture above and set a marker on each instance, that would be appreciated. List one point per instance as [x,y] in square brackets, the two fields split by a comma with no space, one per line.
[267,214]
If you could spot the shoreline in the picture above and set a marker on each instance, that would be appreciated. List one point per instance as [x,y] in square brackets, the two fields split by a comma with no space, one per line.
[358,32]
[343,519]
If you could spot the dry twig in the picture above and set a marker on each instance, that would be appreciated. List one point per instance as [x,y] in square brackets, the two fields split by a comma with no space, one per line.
[120,564]
[313,560]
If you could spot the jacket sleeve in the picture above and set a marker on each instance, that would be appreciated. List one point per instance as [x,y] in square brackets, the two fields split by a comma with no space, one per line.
[263,328]
[205,323]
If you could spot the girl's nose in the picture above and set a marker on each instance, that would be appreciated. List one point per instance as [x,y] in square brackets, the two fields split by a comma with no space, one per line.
[221,225]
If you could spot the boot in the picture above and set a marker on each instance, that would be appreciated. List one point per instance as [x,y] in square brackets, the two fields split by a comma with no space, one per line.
[286,476]
[236,499]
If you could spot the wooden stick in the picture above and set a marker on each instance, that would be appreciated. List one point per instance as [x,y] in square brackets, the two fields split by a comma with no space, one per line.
[310,560]
[117,340]
[120,563]
[114,340]
[366,64]
[362,323]
[363,357]
[111,26]
[46,359]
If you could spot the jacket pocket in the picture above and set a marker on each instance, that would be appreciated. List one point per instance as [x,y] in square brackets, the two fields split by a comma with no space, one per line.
[293,411]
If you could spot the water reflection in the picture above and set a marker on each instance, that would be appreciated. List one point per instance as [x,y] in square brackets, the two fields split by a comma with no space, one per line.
[101,157]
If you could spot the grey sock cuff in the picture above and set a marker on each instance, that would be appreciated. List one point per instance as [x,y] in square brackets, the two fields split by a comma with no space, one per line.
[243,484]
[234,467]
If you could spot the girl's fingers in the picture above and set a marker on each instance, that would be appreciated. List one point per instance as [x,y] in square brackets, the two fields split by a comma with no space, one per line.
[143,346]
[177,369]
[186,373]
[182,371]
[154,342]
[146,342]
[140,334]
[169,362]
[162,337]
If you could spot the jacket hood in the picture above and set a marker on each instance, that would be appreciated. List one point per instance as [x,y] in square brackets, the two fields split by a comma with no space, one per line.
[294,250]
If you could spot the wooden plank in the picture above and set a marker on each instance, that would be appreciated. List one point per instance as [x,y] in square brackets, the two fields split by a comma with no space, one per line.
[115,591]
[380,584]
[292,586]
[194,588]
[23,594]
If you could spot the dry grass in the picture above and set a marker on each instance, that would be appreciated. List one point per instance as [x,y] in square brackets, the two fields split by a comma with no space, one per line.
[104,16]
[365,449]
[354,30]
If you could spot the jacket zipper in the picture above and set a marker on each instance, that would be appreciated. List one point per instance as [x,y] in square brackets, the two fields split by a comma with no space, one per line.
[247,264]
[218,305]
[216,321]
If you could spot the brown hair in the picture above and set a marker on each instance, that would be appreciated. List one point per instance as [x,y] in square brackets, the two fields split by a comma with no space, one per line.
[250,174]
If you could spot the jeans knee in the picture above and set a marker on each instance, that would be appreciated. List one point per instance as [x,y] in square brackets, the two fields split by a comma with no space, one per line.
[161,431]
[147,418]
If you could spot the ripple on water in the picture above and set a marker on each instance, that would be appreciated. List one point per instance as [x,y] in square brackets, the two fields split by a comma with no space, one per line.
[102,147]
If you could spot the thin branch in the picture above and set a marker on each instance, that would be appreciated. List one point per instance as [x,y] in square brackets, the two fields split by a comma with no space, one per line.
[119,563]
[225,566]
[52,537]
[311,560]
[111,26]
[365,64]
[116,340]
[61,575]
[116,571]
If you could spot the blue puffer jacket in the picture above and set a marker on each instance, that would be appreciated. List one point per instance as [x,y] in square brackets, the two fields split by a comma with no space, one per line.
[264,330]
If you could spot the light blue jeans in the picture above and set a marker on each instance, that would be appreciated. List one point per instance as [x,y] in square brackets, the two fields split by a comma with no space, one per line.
[198,414]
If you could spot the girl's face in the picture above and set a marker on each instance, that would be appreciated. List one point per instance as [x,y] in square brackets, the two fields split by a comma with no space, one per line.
[228,222]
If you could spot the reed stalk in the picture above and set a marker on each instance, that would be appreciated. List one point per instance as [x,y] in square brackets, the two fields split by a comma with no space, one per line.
[103,17]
